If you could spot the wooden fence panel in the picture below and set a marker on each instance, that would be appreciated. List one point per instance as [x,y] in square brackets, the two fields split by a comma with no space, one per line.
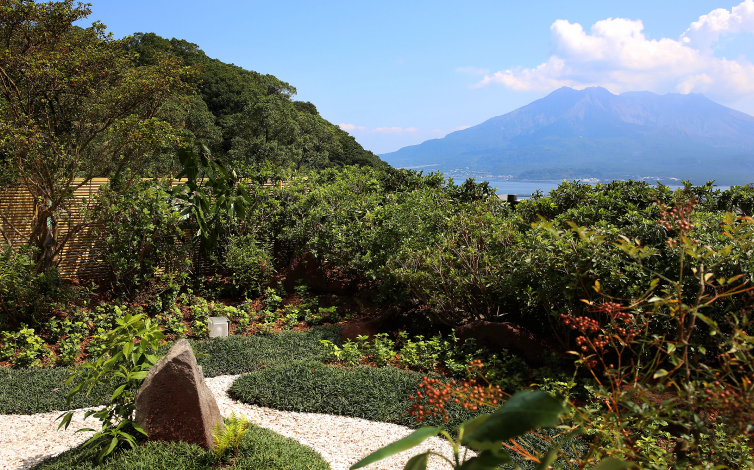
[78,258]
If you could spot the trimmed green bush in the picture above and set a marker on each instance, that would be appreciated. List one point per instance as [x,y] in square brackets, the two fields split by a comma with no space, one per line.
[376,394]
[30,391]
[239,354]
[261,449]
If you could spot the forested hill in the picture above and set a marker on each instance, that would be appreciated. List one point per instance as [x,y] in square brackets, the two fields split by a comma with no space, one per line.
[248,119]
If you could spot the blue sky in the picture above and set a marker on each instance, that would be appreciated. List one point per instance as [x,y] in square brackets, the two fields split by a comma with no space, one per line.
[397,73]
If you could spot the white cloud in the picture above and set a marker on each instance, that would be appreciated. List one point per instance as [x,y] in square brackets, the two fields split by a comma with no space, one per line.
[707,31]
[615,54]
[351,127]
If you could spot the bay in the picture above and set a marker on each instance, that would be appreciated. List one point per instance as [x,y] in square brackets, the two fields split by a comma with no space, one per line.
[524,189]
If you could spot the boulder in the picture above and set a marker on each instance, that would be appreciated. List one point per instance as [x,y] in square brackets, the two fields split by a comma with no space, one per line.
[174,404]
[496,336]
[306,268]
[384,323]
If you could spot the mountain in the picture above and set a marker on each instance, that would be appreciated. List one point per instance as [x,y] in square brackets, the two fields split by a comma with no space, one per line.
[593,133]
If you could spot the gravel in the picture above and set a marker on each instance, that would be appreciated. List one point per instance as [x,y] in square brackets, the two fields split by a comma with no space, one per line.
[26,440]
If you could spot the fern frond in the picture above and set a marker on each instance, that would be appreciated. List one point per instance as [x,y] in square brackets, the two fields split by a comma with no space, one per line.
[222,440]
[237,427]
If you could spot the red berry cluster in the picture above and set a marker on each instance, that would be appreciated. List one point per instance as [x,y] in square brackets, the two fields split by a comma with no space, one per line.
[678,216]
[582,324]
[621,327]
[433,395]
[732,403]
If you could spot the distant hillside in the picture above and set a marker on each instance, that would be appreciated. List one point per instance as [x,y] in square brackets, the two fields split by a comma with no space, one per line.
[593,133]
[246,118]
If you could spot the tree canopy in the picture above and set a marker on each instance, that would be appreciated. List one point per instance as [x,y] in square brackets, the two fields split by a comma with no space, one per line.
[249,119]
[73,107]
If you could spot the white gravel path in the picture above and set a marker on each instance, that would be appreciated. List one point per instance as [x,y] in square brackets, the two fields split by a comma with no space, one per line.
[25,440]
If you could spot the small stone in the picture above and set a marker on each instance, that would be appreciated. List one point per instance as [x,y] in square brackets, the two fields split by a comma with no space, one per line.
[174,404]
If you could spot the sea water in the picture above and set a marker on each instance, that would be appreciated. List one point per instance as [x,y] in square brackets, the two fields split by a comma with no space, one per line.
[524,189]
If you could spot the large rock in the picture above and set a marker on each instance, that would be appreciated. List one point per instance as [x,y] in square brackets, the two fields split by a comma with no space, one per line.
[305,268]
[385,323]
[174,404]
[496,336]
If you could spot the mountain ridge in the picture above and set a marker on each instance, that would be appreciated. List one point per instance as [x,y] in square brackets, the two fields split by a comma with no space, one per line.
[634,134]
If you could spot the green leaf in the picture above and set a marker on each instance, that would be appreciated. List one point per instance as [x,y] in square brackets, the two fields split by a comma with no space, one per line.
[138,375]
[66,420]
[660,373]
[418,462]
[611,463]
[469,426]
[138,428]
[525,411]
[117,392]
[127,349]
[487,460]
[548,459]
[412,440]
[107,450]
[152,358]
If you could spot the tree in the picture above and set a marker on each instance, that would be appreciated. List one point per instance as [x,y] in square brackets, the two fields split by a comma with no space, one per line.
[74,107]
[259,121]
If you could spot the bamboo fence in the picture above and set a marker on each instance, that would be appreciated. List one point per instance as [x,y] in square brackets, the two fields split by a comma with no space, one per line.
[78,259]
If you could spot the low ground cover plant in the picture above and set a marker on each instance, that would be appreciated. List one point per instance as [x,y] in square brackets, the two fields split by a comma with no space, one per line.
[35,390]
[260,449]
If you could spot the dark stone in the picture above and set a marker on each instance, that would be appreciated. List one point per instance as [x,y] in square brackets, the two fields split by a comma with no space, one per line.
[174,404]
[305,268]
[497,336]
[385,323]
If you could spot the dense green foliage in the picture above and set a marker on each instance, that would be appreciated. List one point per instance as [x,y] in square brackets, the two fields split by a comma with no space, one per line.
[73,107]
[448,253]
[249,119]
[260,449]
[141,235]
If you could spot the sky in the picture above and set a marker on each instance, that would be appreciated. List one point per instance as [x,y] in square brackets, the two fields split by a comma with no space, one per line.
[397,73]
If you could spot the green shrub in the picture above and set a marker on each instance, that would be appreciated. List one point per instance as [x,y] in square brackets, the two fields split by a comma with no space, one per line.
[142,239]
[172,323]
[70,347]
[128,357]
[30,391]
[348,354]
[25,295]
[376,394]
[240,354]
[260,449]
[249,262]
[24,348]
